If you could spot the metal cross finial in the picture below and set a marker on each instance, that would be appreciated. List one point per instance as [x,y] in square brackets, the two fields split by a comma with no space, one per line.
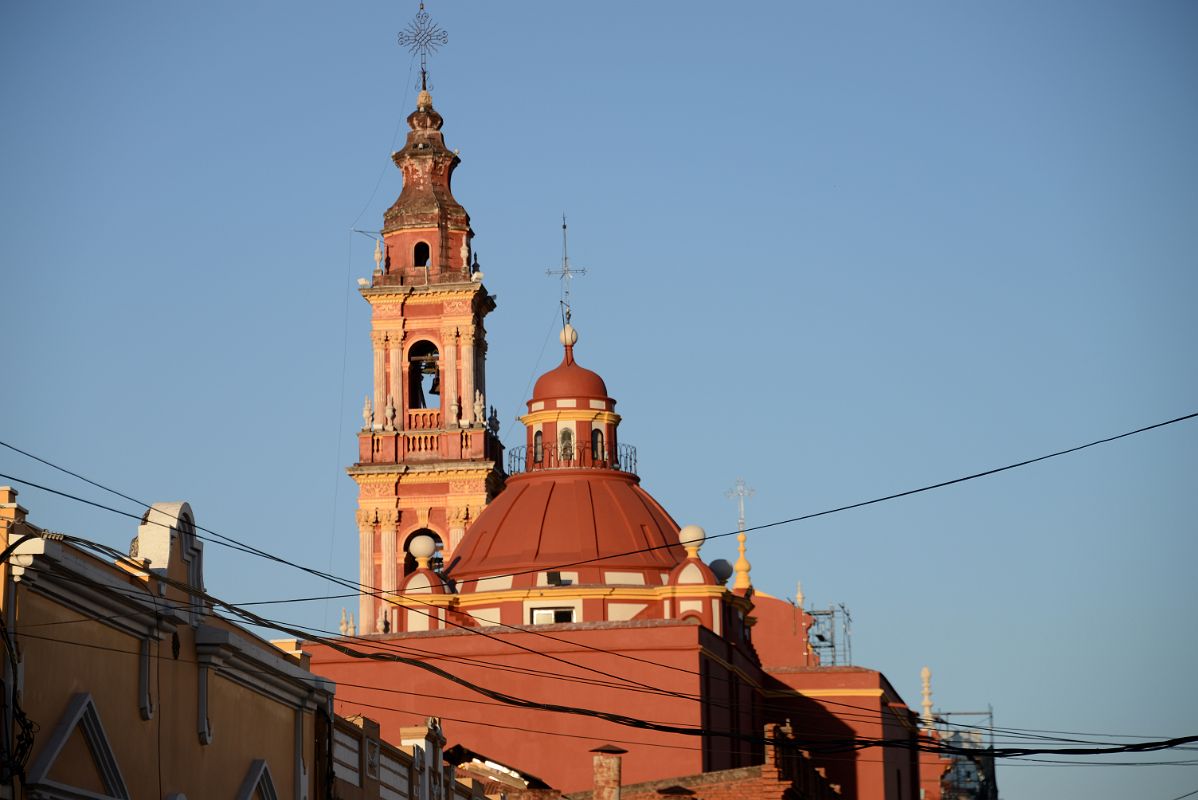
[740,492]
[566,273]
[424,37]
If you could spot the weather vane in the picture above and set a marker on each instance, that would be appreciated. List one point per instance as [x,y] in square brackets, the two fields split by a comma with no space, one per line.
[424,37]
[566,273]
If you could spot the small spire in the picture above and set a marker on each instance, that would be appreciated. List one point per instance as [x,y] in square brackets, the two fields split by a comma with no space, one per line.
[740,491]
[799,594]
[925,675]
[344,626]
[742,566]
[350,629]
[378,255]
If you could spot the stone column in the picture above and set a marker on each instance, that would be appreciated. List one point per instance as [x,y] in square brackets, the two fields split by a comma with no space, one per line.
[480,368]
[449,376]
[468,379]
[396,385]
[388,522]
[366,568]
[379,340]
[458,516]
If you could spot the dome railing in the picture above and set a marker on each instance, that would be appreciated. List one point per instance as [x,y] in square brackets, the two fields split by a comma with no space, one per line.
[551,456]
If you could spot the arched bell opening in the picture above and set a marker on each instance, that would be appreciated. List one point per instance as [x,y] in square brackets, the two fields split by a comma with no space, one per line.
[420,254]
[424,380]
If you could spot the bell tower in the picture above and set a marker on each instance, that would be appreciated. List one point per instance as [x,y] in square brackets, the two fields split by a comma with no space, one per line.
[428,453]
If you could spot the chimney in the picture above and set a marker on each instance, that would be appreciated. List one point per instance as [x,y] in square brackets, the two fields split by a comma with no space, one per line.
[607,772]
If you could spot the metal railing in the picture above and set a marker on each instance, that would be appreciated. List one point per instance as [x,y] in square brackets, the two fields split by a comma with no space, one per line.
[551,456]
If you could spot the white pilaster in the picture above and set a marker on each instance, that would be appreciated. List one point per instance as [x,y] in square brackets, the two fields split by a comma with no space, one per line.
[378,339]
[396,352]
[365,568]
[449,376]
[468,379]
[387,528]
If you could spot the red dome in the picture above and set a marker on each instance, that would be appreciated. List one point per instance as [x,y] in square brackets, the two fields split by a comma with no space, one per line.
[552,519]
[569,380]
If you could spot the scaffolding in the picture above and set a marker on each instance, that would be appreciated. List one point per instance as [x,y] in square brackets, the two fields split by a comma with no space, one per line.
[970,777]
[830,637]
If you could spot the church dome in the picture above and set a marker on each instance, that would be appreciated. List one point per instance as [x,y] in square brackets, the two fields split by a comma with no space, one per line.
[569,379]
[553,519]
[573,504]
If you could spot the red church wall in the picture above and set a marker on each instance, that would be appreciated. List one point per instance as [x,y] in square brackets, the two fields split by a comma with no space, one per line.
[858,703]
[780,635]
[674,656]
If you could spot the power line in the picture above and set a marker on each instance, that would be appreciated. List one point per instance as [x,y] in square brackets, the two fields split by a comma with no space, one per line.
[237,545]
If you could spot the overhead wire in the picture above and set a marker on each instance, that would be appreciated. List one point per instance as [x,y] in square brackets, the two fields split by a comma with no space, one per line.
[815,746]
[245,548]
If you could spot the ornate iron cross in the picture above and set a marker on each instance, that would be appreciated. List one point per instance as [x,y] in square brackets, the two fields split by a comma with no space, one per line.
[422,36]
[739,492]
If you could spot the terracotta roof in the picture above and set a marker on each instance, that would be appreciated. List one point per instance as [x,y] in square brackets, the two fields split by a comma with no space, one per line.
[548,519]
[569,379]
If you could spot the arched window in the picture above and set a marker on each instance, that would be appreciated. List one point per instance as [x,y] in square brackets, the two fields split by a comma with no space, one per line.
[597,453]
[420,254]
[538,448]
[566,448]
[422,375]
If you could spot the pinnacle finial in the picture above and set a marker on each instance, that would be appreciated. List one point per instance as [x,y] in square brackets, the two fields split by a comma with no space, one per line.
[925,676]
[742,566]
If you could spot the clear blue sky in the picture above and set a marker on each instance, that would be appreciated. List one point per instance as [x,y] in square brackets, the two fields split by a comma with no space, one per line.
[837,249]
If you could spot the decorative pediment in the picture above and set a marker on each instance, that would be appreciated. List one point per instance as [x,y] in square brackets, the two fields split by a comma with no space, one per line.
[78,735]
[258,783]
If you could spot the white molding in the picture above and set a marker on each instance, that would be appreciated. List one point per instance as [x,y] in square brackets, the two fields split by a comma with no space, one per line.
[258,780]
[81,712]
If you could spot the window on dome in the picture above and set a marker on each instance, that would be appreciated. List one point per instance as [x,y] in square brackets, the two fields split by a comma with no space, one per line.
[567,445]
[597,452]
[420,254]
[548,616]
[538,447]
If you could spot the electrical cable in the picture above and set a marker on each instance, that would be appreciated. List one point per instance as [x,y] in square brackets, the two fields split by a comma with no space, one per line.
[238,545]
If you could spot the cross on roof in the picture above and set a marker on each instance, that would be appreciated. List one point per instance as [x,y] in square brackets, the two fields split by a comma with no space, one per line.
[566,273]
[740,492]
[422,36]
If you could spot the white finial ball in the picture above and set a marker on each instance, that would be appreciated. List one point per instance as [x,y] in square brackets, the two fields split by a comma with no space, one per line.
[568,336]
[422,546]
[692,536]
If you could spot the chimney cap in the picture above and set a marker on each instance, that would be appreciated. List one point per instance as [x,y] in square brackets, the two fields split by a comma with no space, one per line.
[609,748]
